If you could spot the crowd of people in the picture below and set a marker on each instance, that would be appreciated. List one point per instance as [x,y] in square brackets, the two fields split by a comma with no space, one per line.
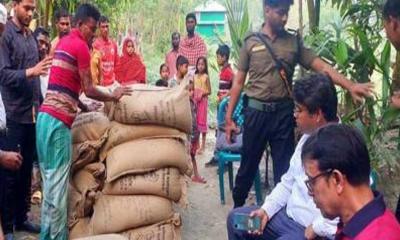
[41,82]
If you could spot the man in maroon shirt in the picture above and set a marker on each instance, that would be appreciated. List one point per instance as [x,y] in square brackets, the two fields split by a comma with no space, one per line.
[337,164]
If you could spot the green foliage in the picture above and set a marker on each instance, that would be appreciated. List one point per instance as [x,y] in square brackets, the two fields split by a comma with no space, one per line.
[356,47]
[239,24]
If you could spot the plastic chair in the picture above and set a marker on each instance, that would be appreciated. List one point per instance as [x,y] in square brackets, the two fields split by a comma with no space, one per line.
[227,158]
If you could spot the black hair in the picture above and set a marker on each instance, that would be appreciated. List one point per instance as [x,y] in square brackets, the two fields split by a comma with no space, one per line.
[40,30]
[85,12]
[391,9]
[103,19]
[205,63]
[339,147]
[175,34]
[315,92]
[278,3]
[191,16]
[224,51]
[161,83]
[163,65]
[180,61]
[60,13]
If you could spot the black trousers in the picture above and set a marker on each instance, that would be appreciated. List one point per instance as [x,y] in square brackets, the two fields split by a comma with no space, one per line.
[261,128]
[15,186]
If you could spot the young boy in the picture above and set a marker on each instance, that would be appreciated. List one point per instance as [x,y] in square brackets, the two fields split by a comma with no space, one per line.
[225,83]
[181,76]
[226,74]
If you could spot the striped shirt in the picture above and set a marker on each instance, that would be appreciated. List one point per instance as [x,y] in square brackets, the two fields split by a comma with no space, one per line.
[193,48]
[71,55]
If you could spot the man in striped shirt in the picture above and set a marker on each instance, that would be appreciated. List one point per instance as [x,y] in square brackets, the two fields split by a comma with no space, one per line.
[69,74]
[192,46]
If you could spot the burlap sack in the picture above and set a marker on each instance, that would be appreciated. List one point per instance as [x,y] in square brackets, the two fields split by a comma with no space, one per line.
[83,190]
[166,230]
[86,153]
[164,183]
[81,229]
[121,133]
[105,237]
[84,181]
[89,127]
[114,214]
[143,156]
[75,206]
[153,105]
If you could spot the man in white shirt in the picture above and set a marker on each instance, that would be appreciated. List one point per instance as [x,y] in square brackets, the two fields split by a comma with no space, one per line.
[289,212]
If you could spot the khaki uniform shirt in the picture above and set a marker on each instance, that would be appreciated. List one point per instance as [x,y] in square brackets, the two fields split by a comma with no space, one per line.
[255,59]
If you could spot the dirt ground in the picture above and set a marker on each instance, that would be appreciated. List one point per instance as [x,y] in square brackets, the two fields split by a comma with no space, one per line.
[205,217]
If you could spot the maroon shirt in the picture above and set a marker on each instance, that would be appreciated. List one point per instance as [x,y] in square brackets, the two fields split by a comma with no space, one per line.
[373,222]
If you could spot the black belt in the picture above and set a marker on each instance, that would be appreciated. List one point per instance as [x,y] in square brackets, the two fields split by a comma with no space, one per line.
[269,106]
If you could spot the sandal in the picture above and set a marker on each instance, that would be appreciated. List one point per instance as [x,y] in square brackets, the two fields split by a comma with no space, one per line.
[199,179]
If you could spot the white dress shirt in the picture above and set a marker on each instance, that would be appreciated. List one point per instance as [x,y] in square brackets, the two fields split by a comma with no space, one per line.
[2,114]
[292,192]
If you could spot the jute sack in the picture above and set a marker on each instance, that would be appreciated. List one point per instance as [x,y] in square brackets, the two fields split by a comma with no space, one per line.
[166,230]
[89,178]
[81,229]
[143,156]
[83,191]
[153,105]
[75,206]
[105,237]
[164,183]
[89,127]
[86,153]
[114,214]
[121,133]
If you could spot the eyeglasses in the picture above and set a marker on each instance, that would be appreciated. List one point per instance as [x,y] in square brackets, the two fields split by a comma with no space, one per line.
[311,181]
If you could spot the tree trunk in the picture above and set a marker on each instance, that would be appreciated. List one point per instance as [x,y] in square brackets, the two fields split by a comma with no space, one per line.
[396,74]
[312,16]
[317,13]
[301,29]
[47,13]
[301,25]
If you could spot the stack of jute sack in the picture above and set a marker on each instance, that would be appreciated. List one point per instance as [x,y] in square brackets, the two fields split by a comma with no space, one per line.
[134,169]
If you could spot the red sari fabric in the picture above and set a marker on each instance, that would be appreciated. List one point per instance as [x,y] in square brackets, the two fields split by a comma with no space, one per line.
[130,69]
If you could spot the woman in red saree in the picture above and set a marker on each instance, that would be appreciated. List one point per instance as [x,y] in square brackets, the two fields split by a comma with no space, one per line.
[130,68]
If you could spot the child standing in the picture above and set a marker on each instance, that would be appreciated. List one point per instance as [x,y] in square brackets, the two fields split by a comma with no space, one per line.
[164,73]
[226,74]
[195,137]
[202,89]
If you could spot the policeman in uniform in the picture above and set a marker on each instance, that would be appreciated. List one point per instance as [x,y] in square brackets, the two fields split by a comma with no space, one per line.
[269,57]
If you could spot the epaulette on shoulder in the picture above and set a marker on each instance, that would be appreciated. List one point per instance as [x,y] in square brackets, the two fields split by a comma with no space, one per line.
[293,31]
